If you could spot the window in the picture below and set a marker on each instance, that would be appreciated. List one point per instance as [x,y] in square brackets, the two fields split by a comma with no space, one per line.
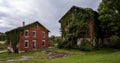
[34,43]
[26,43]
[43,42]
[36,27]
[34,33]
[43,34]
[26,33]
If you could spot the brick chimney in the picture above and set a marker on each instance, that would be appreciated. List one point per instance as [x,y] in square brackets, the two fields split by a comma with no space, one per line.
[23,23]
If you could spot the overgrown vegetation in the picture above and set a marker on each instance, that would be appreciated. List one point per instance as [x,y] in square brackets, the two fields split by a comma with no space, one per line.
[2,36]
[109,17]
[13,37]
[75,25]
[85,45]
[106,25]
[3,45]
[115,41]
[54,41]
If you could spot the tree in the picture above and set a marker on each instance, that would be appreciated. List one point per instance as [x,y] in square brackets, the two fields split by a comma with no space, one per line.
[2,36]
[109,12]
[54,40]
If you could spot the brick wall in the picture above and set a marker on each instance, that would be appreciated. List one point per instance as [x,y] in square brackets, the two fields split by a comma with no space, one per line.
[38,39]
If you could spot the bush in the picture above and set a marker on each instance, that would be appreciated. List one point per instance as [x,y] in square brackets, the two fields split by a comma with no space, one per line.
[60,45]
[115,41]
[66,45]
[2,46]
[85,45]
[55,42]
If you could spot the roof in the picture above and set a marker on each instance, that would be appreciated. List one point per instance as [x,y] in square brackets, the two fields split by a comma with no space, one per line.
[70,10]
[28,26]
[75,8]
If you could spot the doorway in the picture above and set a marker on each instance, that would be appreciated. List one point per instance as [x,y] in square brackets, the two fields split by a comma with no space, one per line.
[34,43]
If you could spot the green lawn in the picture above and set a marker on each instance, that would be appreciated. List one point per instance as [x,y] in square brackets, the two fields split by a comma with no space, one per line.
[101,56]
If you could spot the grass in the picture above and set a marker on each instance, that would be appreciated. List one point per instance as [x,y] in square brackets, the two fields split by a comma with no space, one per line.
[5,56]
[2,42]
[2,46]
[1,51]
[101,56]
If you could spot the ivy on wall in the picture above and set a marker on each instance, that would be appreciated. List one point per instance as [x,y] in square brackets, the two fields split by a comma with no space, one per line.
[13,37]
[78,25]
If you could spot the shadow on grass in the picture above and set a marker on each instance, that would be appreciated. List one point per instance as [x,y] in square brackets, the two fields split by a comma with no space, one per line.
[104,51]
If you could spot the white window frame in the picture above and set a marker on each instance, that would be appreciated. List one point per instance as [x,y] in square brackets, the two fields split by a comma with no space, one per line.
[43,34]
[35,34]
[27,43]
[42,42]
[35,43]
[25,32]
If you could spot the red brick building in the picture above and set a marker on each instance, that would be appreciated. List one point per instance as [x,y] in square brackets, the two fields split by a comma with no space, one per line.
[91,31]
[30,37]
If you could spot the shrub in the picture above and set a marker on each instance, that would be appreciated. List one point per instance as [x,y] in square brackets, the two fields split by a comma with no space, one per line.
[54,41]
[60,45]
[85,45]
[115,41]
[2,46]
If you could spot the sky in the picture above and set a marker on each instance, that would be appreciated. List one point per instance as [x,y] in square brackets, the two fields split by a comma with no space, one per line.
[47,12]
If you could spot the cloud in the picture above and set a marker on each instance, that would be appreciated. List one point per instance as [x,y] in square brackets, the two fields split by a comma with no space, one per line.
[3,23]
[47,12]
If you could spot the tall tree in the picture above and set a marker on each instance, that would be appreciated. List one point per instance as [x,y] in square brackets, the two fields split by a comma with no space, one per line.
[109,12]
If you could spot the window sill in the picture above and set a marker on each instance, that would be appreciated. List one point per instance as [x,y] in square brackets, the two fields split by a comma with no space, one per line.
[25,47]
[26,36]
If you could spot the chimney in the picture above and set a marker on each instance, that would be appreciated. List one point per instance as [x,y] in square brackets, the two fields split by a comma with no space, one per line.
[23,23]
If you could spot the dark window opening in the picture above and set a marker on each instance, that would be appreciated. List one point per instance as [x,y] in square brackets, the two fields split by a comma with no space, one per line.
[26,33]
[43,42]
[26,44]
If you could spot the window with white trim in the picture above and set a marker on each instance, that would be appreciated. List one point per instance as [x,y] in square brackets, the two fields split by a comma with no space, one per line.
[43,34]
[26,43]
[34,33]
[43,42]
[26,33]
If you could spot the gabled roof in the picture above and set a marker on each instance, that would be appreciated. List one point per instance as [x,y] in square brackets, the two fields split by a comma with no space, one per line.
[28,26]
[70,10]
[77,9]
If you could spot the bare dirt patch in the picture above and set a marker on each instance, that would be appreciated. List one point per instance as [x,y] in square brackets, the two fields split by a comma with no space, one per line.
[1,60]
[22,58]
[53,54]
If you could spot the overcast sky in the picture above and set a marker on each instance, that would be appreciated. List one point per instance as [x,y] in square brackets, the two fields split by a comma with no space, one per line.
[47,12]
